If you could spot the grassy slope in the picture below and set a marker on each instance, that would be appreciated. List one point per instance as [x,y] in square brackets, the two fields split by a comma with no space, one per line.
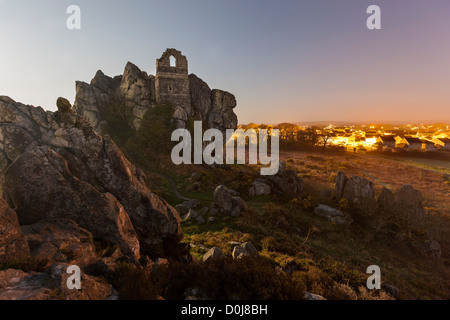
[328,259]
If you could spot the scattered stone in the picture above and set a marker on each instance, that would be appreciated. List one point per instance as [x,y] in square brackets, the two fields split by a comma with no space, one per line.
[191,215]
[259,188]
[191,204]
[223,199]
[360,194]
[341,180]
[213,253]
[393,291]
[285,181]
[404,206]
[245,249]
[239,252]
[312,296]
[200,220]
[433,249]
[338,220]
[325,211]
[227,204]
[233,244]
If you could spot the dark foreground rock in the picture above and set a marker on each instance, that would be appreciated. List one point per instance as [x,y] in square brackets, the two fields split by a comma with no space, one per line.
[54,165]
[13,245]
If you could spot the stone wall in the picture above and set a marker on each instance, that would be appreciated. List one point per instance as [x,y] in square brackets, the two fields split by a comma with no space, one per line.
[172,85]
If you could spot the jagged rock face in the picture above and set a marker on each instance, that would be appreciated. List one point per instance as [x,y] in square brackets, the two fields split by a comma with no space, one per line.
[136,90]
[213,107]
[13,244]
[61,240]
[91,98]
[200,97]
[56,165]
[222,116]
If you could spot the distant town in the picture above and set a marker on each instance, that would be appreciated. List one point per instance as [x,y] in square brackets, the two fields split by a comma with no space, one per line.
[362,137]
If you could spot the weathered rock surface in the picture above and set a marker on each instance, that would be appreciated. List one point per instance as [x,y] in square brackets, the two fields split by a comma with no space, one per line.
[360,194]
[285,181]
[56,165]
[259,188]
[227,204]
[325,211]
[245,249]
[213,253]
[13,245]
[51,285]
[433,249]
[61,240]
[341,180]
[404,206]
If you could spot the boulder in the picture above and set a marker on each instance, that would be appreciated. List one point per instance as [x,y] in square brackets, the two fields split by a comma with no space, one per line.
[341,180]
[325,211]
[245,249]
[226,203]
[200,220]
[433,249]
[52,285]
[31,182]
[259,188]
[408,203]
[213,253]
[312,296]
[360,194]
[285,181]
[61,240]
[404,206]
[191,215]
[13,245]
[56,167]
[223,199]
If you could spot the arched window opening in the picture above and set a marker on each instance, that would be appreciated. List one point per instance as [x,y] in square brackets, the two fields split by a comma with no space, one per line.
[173,61]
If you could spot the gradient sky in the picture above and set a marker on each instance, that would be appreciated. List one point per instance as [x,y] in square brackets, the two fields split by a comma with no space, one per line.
[286,60]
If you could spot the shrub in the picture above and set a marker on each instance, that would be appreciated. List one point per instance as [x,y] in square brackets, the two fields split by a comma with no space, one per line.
[343,204]
[64,106]
[249,278]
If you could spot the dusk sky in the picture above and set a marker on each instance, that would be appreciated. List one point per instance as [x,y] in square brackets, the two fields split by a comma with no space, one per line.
[285,61]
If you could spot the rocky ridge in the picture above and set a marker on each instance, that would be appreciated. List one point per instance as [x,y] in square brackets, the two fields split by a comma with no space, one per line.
[65,187]
[135,91]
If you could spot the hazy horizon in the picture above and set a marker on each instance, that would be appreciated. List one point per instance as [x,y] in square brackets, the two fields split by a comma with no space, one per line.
[292,61]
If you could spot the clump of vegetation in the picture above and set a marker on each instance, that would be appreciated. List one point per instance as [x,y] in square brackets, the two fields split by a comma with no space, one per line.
[118,119]
[343,204]
[64,106]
